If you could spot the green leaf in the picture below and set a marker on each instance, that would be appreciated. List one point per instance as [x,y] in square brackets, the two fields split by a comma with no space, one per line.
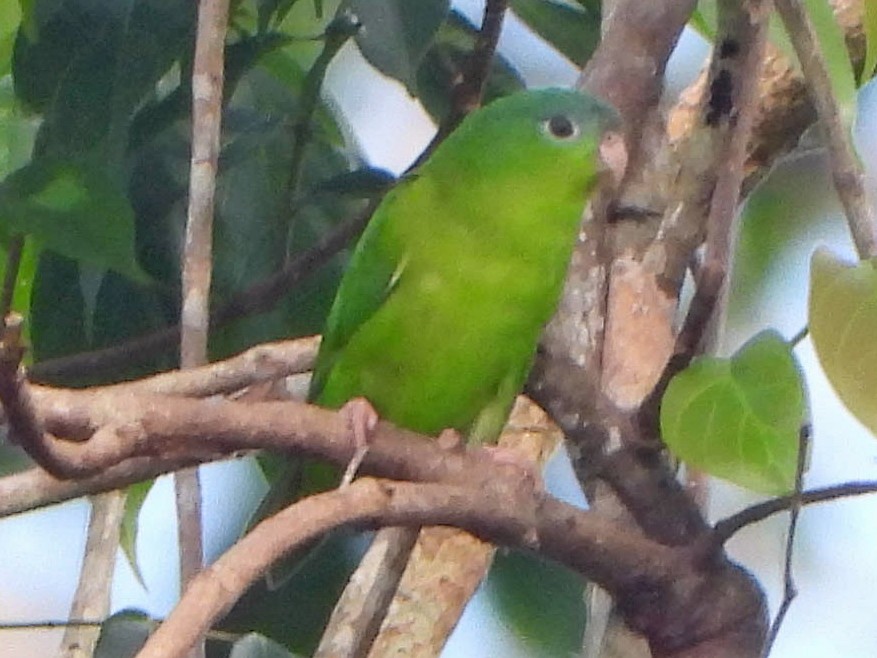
[869,24]
[74,210]
[703,19]
[92,66]
[739,418]
[136,496]
[124,309]
[362,183]
[27,266]
[541,601]
[58,316]
[295,614]
[843,322]
[254,645]
[396,34]
[10,17]
[123,634]
[572,30]
[259,223]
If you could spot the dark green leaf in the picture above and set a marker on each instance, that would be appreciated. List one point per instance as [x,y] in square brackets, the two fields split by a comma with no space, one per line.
[58,325]
[269,11]
[135,497]
[259,222]
[739,418]
[76,308]
[76,210]
[573,31]
[123,310]
[93,64]
[123,635]
[295,614]
[396,34]
[364,183]
[542,602]
[254,645]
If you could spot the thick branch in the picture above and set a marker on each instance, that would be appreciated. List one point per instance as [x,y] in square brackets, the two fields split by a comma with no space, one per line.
[623,561]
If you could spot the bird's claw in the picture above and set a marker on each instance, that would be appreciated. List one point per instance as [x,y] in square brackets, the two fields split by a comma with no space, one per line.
[361,419]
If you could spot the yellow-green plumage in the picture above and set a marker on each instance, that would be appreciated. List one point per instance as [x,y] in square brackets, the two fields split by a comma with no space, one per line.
[438,315]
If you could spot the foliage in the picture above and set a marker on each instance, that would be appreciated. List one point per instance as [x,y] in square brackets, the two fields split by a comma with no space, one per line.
[739,418]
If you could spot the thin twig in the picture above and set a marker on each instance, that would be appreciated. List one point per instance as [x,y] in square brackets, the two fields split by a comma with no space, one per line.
[254,299]
[469,91]
[338,32]
[790,591]
[49,624]
[207,84]
[10,273]
[846,168]
[795,340]
[731,525]
[467,95]
[362,606]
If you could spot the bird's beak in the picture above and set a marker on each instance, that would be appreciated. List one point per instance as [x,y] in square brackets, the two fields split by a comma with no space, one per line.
[613,155]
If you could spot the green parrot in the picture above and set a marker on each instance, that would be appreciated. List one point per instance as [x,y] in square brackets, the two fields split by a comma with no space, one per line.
[437,317]
[436,321]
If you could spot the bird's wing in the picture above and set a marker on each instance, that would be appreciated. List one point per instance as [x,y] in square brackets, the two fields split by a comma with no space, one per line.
[374,271]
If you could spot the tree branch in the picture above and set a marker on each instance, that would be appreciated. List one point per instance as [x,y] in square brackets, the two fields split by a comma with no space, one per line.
[207,86]
[846,168]
[500,511]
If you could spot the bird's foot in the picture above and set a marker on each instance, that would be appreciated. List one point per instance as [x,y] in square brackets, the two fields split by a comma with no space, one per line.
[361,419]
[450,440]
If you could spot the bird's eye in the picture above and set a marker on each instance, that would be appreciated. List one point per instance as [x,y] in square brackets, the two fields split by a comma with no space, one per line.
[561,127]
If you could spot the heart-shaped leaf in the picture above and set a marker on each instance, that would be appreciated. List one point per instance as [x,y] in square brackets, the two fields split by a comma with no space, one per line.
[843,322]
[739,418]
